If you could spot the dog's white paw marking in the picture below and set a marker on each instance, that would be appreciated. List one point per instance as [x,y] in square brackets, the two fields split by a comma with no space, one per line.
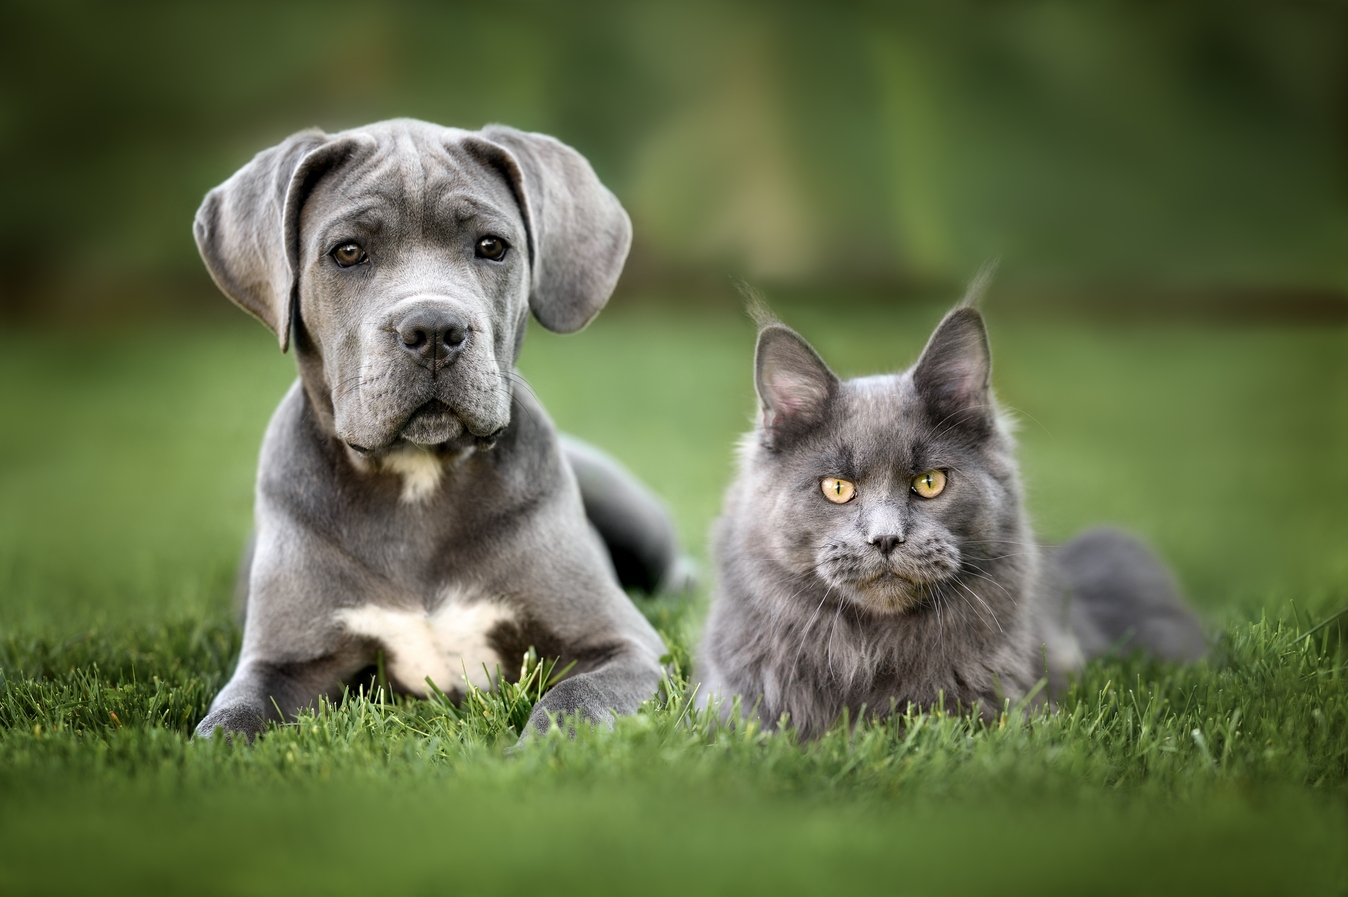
[448,645]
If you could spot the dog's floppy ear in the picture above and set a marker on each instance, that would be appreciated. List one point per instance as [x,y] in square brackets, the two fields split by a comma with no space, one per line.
[578,232]
[247,229]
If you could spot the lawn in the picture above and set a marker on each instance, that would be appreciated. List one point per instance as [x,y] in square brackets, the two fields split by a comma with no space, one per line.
[125,494]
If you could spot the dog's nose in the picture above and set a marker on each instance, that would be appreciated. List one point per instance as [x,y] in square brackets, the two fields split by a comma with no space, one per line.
[887,543]
[432,334]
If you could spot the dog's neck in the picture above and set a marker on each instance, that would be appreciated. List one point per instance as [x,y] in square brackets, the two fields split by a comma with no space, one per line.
[421,468]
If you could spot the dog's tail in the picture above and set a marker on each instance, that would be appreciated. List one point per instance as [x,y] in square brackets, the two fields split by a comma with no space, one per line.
[1123,598]
[635,525]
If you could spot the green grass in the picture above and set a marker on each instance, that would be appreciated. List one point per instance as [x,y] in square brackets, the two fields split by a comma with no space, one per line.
[125,493]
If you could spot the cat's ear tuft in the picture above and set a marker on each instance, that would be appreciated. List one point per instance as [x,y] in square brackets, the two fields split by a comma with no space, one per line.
[953,375]
[794,385]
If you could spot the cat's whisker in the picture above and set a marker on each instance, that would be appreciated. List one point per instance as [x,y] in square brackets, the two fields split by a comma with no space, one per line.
[1020,541]
[958,608]
[831,630]
[805,634]
[1034,550]
[937,593]
[981,574]
[1023,413]
[980,600]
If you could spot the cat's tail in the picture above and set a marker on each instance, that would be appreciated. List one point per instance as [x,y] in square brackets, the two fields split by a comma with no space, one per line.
[1123,598]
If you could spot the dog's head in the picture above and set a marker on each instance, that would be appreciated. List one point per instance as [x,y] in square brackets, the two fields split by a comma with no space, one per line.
[404,259]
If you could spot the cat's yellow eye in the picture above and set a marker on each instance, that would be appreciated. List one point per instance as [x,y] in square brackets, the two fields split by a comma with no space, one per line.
[837,491]
[929,484]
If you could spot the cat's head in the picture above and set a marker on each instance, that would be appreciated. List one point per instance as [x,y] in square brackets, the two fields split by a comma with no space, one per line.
[887,487]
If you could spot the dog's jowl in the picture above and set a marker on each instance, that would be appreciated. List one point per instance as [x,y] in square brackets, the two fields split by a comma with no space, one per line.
[413,498]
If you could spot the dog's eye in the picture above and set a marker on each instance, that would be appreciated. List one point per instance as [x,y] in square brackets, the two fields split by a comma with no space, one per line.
[493,248]
[930,484]
[348,255]
[836,490]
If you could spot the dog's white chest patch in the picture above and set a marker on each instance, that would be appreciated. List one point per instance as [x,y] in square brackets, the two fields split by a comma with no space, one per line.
[420,471]
[449,645]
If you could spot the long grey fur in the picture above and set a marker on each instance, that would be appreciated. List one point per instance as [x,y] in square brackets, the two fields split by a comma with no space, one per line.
[891,599]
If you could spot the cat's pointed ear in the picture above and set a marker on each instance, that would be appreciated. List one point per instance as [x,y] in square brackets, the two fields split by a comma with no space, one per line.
[794,385]
[953,375]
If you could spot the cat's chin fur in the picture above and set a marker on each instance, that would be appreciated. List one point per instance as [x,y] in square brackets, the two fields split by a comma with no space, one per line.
[812,617]
[885,593]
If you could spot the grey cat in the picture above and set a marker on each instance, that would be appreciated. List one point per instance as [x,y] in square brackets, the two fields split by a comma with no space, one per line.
[875,551]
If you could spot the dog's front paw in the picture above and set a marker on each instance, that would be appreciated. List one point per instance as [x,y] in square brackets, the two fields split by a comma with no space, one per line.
[244,721]
[570,699]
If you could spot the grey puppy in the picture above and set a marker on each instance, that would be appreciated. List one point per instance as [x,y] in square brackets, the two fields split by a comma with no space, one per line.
[875,550]
[412,495]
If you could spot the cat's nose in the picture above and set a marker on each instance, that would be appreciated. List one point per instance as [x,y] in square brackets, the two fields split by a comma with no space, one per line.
[888,542]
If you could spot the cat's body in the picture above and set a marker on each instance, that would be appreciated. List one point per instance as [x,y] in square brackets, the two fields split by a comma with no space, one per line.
[842,586]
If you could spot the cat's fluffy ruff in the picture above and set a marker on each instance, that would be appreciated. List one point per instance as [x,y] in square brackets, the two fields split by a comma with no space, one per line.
[812,615]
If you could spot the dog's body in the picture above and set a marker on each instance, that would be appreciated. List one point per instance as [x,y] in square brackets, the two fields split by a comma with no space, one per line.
[413,497]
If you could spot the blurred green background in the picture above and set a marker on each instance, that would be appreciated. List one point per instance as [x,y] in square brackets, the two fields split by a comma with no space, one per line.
[1165,184]
[1120,153]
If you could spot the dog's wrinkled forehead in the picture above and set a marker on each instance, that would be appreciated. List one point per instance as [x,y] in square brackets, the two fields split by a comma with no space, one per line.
[411,184]
[413,206]
[405,174]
